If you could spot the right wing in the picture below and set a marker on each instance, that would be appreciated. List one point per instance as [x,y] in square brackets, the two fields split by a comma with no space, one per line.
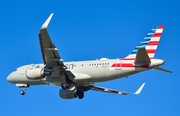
[101,89]
[50,55]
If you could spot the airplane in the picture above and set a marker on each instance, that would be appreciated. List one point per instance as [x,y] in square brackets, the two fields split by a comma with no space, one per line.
[75,78]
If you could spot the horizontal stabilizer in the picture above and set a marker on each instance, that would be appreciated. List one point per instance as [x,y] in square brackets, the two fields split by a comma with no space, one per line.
[161,69]
[101,89]
[142,56]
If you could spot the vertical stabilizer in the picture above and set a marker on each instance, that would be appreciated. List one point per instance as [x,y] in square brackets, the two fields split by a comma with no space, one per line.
[150,43]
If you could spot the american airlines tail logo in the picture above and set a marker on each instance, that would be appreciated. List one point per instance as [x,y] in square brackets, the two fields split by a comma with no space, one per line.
[150,43]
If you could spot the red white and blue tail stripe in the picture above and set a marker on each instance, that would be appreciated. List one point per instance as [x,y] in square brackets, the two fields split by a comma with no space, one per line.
[150,43]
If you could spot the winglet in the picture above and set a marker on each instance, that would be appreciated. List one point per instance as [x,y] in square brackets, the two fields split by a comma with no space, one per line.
[44,26]
[139,90]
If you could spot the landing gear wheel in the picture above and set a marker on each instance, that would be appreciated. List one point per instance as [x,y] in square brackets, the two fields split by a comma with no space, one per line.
[80,94]
[22,92]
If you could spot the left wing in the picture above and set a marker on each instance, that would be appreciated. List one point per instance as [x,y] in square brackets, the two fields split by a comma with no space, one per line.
[50,55]
[101,89]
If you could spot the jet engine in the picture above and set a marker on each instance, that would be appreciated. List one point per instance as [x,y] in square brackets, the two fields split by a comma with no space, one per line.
[67,94]
[36,73]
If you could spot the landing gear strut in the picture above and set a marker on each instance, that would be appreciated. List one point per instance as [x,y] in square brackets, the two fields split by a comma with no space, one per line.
[65,85]
[22,92]
[68,83]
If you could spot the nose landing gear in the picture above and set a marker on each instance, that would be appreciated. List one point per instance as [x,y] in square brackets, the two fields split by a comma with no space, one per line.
[22,92]
[25,86]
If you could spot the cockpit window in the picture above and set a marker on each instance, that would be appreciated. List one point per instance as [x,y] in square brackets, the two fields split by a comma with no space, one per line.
[15,70]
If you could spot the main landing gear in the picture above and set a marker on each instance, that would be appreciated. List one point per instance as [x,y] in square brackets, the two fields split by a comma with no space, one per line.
[80,91]
[80,94]
[22,92]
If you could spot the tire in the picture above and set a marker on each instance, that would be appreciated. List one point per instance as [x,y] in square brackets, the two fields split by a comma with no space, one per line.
[80,94]
[22,92]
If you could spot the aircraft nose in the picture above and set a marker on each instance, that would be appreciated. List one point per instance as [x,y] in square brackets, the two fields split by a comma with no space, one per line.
[9,78]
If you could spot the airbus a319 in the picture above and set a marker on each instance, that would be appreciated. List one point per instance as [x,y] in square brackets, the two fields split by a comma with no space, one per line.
[75,78]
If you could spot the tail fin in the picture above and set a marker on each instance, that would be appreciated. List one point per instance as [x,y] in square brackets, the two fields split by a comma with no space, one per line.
[150,43]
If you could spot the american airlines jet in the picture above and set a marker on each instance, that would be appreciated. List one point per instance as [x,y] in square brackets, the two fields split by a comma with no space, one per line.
[75,78]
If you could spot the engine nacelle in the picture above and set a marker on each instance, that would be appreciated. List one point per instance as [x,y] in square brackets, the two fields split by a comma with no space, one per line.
[36,73]
[67,94]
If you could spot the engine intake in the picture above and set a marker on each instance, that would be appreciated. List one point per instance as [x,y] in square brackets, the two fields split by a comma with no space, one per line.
[36,73]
